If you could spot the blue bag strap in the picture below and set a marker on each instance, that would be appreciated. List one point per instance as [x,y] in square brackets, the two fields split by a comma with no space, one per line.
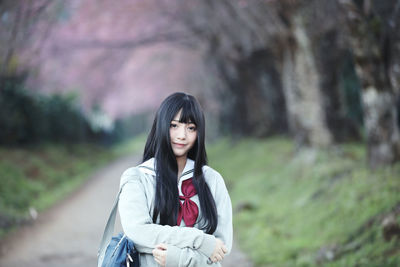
[109,230]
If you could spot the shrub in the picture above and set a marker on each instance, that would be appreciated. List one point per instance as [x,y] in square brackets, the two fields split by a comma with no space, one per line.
[27,118]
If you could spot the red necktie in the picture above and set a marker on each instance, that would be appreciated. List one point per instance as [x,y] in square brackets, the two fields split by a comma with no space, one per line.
[188,210]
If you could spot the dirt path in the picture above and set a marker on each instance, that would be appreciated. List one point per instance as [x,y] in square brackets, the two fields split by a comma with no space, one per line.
[68,234]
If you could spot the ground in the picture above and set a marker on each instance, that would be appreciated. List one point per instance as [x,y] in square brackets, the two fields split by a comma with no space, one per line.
[68,234]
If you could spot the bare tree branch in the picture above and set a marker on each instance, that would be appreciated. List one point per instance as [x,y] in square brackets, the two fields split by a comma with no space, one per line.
[175,37]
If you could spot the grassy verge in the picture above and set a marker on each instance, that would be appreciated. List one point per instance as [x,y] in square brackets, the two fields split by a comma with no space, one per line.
[32,179]
[310,208]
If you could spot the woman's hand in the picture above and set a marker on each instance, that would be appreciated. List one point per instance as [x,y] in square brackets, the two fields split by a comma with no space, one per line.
[219,251]
[160,254]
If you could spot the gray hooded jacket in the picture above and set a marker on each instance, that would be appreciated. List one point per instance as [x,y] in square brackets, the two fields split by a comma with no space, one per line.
[187,246]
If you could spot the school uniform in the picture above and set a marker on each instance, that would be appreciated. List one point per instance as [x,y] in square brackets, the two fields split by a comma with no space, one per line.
[187,244]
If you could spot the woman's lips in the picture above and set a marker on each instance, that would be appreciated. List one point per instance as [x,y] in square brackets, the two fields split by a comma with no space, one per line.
[178,145]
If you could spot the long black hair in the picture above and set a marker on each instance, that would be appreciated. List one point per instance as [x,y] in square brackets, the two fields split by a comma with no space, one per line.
[158,145]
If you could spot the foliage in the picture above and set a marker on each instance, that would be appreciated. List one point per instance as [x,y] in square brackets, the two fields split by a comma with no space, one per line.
[28,118]
[309,207]
[132,125]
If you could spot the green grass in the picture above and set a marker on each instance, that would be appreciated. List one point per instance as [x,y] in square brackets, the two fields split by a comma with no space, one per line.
[34,178]
[290,207]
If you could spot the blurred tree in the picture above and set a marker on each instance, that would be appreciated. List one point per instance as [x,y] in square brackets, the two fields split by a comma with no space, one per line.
[277,66]
[274,69]
[236,38]
[24,117]
[374,35]
[312,57]
[249,50]
[18,20]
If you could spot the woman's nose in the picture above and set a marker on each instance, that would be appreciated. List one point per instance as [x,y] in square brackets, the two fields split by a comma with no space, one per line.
[181,133]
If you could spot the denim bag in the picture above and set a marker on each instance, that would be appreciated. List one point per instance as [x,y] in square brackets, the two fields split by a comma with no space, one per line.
[121,252]
[118,251]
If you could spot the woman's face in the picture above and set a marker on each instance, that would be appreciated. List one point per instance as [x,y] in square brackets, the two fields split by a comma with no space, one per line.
[183,136]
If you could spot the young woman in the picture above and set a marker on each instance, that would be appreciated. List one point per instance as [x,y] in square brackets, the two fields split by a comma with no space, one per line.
[174,207]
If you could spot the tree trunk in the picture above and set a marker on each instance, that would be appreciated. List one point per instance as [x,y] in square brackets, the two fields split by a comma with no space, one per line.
[311,63]
[263,98]
[371,47]
[301,82]
[380,118]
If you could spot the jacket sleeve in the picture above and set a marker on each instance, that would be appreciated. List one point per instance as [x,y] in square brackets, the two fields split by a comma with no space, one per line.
[188,257]
[138,225]
[223,202]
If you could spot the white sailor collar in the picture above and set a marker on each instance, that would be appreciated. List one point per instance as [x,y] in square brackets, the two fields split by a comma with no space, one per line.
[149,168]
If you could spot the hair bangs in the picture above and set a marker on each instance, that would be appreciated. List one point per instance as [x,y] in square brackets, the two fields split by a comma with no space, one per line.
[188,113]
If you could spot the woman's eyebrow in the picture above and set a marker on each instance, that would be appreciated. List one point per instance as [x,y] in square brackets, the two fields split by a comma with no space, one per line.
[189,122]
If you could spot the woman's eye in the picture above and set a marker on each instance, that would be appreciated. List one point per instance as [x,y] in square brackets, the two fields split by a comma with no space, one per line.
[173,125]
[192,128]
